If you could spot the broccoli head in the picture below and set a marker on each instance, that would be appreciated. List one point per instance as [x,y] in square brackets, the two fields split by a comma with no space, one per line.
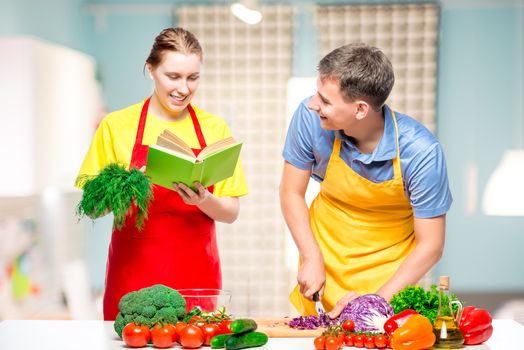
[148,306]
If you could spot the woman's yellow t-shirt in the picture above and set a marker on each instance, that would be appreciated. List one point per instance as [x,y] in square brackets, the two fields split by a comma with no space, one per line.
[115,137]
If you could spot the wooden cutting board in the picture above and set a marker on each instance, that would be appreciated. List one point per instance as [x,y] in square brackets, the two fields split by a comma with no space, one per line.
[278,328]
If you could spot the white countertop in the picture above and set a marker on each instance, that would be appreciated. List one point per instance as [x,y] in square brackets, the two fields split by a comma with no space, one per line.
[99,335]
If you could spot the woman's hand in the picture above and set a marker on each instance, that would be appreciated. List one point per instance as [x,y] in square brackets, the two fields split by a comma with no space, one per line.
[341,304]
[189,196]
[223,209]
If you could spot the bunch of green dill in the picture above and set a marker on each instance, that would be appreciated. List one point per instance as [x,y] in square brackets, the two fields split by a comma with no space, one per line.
[115,189]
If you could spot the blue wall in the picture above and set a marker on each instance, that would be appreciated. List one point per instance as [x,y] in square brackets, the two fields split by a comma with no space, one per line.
[480,88]
[121,49]
[480,95]
[60,21]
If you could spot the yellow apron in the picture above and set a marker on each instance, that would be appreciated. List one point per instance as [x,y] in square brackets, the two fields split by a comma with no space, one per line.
[364,230]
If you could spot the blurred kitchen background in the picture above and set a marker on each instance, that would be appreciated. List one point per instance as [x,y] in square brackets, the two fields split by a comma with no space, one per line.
[65,63]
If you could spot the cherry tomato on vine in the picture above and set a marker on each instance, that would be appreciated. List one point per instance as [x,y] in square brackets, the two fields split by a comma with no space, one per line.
[197,321]
[178,327]
[348,325]
[380,341]
[224,327]
[320,342]
[209,330]
[341,338]
[135,336]
[369,342]
[163,336]
[358,341]
[348,340]
[191,337]
[332,343]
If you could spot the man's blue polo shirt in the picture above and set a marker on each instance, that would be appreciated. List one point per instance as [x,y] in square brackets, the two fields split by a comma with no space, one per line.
[308,147]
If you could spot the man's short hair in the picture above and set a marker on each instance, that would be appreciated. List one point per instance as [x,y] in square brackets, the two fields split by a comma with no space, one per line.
[363,71]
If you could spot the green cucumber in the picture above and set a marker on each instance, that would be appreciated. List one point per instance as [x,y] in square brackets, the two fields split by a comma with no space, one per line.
[219,341]
[243,325]
[246,340]
[196,311]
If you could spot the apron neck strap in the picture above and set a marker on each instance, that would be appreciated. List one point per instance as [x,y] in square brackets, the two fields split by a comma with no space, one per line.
[142,122]
[397,172]
[196,125]
[138,156]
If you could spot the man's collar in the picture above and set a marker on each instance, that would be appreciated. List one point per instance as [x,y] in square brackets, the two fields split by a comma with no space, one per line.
[387,146]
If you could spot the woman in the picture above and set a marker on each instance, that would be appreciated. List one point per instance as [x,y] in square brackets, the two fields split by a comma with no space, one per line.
[177,245]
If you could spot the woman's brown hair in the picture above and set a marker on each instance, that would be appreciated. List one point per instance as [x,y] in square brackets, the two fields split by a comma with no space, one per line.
[174,39]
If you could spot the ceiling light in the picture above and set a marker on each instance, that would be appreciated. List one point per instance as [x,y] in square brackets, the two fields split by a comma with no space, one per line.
[246,14]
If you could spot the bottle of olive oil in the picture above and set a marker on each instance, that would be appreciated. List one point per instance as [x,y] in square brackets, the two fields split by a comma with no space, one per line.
[447,332]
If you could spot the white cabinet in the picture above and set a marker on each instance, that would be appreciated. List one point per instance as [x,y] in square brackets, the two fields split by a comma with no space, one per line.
[50,101]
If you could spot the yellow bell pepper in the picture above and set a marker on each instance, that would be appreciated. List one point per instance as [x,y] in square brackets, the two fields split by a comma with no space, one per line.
[415,334]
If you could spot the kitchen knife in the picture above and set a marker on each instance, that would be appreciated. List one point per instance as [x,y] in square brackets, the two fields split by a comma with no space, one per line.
[318,304]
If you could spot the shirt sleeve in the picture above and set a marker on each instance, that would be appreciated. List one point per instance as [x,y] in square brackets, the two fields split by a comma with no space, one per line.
[236,185]
[298,147]
[428,186]
[99,154]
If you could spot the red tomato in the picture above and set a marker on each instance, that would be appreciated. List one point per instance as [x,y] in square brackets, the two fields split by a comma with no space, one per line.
[358,341]
[388,342]
[163,337]
[178,327]
[197,321]
[320,342]
[380,341]
[135,336]
[209,330]
[348,340]
[172,330]
[341,339]
[369,342]
[191,337]
[348,325]
[332,343]
[224,327]
[195,318]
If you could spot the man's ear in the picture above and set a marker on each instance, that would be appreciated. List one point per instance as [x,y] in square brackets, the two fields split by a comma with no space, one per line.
[362,109]
[150,70]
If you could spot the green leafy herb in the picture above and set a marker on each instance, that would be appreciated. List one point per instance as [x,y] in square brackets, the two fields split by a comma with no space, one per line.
[115,189]
[422,301]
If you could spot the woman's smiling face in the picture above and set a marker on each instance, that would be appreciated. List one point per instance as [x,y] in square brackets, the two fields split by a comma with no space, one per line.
[176,80]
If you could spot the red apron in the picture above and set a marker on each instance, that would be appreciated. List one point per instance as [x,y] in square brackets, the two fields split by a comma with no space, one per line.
[176,247]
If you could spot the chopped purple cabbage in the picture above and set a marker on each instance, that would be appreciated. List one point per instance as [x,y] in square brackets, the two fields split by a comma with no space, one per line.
[369,312]
[312,322]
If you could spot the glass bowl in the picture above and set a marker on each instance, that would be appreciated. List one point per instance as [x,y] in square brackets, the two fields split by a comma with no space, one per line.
[207,299]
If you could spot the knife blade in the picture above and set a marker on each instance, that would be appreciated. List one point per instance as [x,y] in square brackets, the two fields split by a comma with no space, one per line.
[318,304]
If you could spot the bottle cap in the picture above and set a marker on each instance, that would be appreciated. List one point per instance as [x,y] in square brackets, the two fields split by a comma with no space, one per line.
[443,281]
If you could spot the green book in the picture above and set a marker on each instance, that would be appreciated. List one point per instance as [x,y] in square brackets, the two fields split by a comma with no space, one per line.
[172,160]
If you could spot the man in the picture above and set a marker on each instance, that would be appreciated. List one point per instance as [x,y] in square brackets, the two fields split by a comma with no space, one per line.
[378,223]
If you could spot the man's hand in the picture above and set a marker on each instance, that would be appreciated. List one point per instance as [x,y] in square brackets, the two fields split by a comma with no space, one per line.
[189,196]
[341,304]
[312,277]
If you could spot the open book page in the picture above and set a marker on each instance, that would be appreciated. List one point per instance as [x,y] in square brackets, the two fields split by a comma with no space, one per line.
[162,141]
[168,138]
[216,146]
[176,153]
